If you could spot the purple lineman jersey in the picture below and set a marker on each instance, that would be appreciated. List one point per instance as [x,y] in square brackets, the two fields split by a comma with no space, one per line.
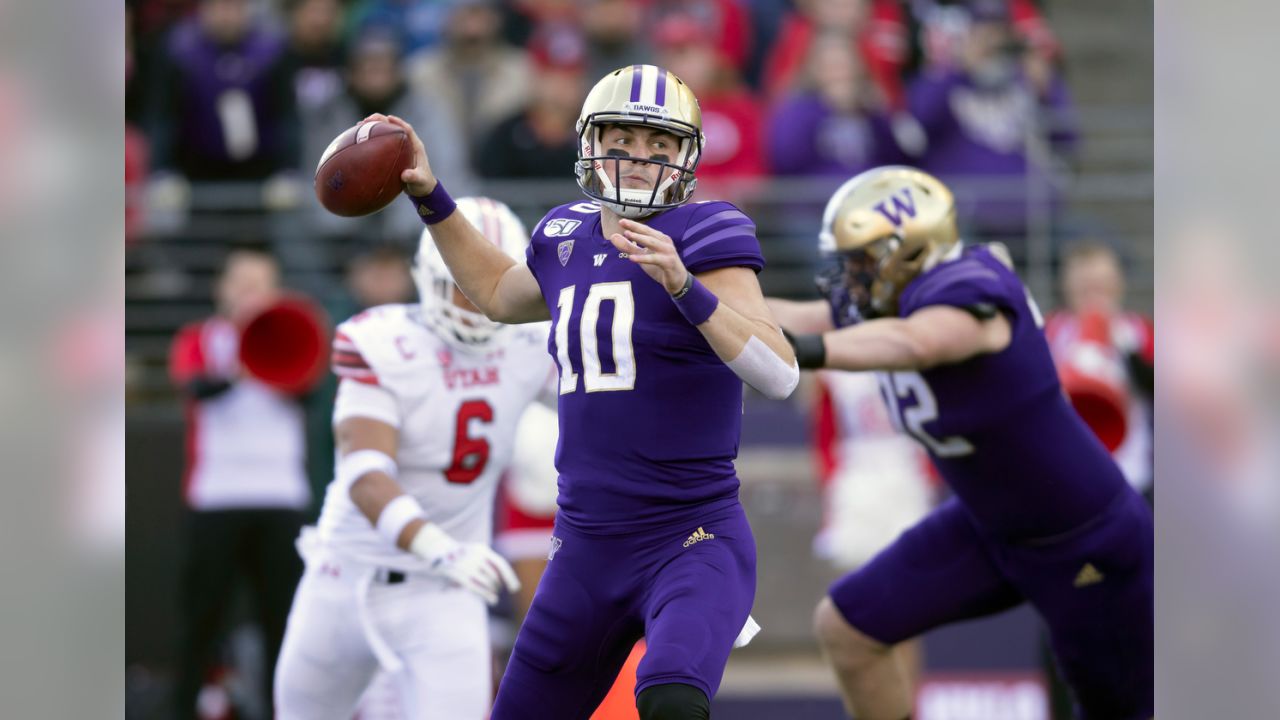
[650,417]
[998,426]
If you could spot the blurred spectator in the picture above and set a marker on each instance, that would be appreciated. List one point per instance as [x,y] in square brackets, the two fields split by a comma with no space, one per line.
[614,36]
[313,57]
[375,82]
[245,484]
[731,117]
[473,73]
[877,26]
[725,25]
[154,17]
[540,141]
[834,124]
[767,17]
[933,30]
[221,107]
[416,24]
[378,276]
[1000,113]
[1092,281]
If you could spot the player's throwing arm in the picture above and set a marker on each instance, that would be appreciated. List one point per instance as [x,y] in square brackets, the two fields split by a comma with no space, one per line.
[503,289]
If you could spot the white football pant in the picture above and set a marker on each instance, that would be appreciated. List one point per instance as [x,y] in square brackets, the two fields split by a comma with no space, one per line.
[430,640]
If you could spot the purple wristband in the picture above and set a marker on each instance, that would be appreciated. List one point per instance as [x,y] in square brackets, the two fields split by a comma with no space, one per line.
[435,206]
[697,304]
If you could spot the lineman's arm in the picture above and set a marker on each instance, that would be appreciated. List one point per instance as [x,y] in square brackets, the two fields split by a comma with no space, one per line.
[502,288]
[931,336]
[810,316]
[373,490]
[739,329]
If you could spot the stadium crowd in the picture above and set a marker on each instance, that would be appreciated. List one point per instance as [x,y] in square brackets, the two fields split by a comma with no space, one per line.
[255,89]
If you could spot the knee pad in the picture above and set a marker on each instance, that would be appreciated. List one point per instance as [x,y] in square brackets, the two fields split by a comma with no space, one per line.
[673,701]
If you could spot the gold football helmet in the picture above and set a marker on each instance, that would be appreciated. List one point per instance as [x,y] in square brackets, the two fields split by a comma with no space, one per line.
[639,95]
[880,230]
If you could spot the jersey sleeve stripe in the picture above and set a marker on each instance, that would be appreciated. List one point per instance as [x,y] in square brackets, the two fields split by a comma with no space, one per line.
[715,237]
[350,365]
[720,217]
[366,379]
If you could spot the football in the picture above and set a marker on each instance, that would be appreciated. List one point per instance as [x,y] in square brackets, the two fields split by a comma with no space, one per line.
[359,173]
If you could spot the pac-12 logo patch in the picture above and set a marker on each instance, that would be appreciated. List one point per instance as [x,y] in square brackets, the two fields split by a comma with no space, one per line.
[563,251]
[560,227]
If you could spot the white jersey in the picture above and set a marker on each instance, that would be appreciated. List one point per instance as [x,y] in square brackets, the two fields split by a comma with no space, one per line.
[880,485]
[456,411]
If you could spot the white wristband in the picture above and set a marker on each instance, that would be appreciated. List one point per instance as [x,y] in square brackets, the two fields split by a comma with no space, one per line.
[431,543]
[352,466]
[396,515]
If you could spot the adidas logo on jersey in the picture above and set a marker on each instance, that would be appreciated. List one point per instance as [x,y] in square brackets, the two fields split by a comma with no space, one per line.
[1088,575]
[698,536]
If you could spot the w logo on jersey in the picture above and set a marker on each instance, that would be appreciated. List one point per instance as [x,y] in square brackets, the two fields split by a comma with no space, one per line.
[902,203]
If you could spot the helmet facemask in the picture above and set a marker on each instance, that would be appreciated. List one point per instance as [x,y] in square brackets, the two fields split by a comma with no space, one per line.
[462,328]
[600,173]
[465,328]
[856,283]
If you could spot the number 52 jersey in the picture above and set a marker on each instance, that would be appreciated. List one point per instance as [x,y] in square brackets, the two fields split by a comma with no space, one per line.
[650,417]
[456,412]
[998,426]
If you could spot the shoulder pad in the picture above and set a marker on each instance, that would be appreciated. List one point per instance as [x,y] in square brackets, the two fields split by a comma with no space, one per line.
[382,344]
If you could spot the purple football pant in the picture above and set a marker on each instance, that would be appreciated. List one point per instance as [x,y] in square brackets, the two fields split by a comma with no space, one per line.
[688,598]
[1100,620]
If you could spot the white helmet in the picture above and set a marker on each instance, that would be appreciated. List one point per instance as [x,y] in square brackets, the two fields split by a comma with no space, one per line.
[465,329]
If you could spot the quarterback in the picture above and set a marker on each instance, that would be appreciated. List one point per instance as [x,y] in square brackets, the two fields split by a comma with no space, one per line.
[1040,512]
[658,320]
[399,569]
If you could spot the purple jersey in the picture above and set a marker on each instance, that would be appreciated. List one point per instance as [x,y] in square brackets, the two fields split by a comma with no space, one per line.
[225,111]
[650,417]
[998,426]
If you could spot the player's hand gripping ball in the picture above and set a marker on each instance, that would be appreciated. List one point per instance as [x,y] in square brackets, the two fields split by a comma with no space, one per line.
[359,172]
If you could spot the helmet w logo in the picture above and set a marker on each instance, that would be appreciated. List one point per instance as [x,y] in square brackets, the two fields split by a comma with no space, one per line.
[902,203]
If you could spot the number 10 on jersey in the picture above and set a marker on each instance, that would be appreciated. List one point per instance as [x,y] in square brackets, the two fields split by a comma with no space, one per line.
[594,378]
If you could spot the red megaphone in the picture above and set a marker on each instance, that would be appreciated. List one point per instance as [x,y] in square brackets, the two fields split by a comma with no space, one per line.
[1093,377]
[286,346]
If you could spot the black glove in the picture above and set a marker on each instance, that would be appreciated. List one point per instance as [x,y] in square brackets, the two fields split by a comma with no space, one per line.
[811,350]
